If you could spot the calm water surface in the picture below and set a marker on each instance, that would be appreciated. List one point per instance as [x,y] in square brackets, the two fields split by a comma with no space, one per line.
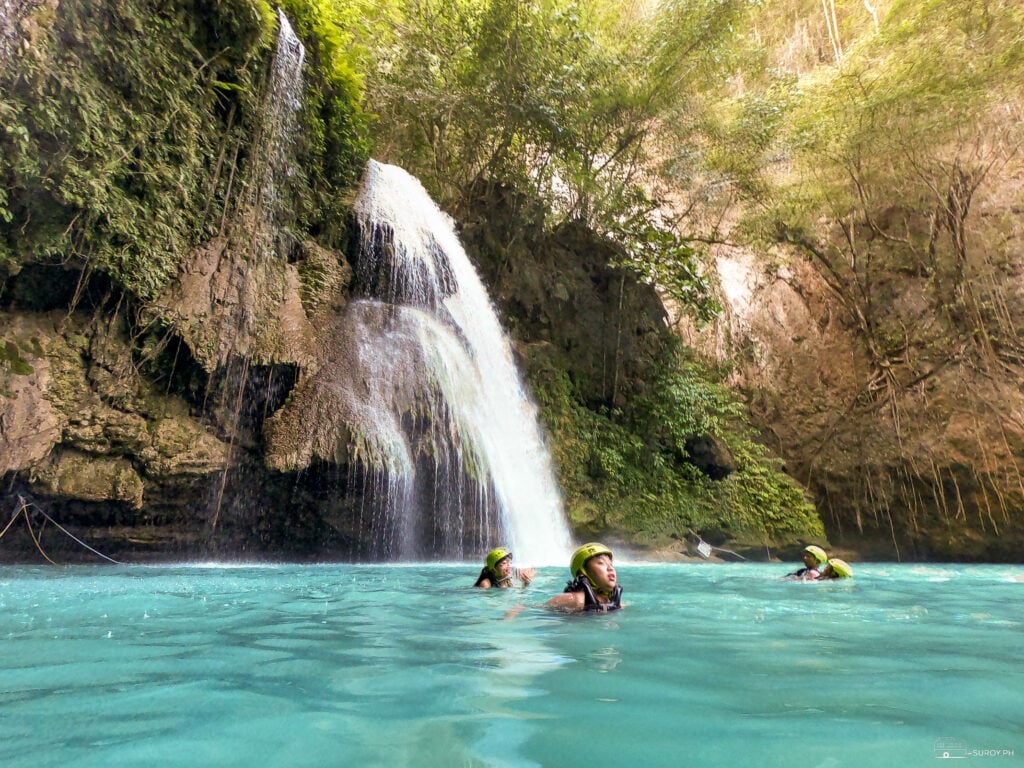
[710,665]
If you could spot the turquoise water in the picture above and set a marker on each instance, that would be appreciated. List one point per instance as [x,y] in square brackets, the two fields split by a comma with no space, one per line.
[710,665]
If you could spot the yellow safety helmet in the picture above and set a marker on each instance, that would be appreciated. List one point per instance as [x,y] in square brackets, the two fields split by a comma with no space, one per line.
[585,553]
[817,552]
[840,568]
[496,555]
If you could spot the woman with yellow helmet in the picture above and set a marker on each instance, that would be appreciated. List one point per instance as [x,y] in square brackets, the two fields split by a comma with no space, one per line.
[836,569]
[594,585]
[497,571]
[814,559]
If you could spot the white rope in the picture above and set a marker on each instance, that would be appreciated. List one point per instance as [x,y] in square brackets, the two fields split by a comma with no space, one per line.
[25,505]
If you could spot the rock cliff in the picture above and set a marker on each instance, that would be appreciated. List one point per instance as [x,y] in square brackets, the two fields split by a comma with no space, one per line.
[903,411]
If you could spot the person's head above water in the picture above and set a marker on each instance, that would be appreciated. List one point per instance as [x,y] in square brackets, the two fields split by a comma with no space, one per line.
[583,556]
[498,555]
[594,584]
[497,570]
[814,556]
[836,569]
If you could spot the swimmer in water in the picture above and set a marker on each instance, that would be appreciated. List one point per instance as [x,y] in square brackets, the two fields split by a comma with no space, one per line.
[836,569]
[498,572]
[594,585]
[814,559]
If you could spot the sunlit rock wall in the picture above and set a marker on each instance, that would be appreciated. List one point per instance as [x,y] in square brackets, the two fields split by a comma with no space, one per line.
[911,452]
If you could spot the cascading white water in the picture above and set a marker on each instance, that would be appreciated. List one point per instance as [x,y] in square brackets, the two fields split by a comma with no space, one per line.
[259,205]
[8,35]
[272,162]
[442,393]
[284,99]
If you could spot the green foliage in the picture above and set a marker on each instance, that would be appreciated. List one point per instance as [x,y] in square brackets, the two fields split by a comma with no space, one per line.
[746,136]
[659,256]
[558,99]
[705,69]
[124,123]
[107,142]
[692,44]
[886,151]
[335,128]
[12,359]
[929,78]
[627,472]
[478,89]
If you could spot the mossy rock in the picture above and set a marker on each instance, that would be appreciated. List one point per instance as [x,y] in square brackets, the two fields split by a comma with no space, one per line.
[12,359]
[88,477]
[180,445]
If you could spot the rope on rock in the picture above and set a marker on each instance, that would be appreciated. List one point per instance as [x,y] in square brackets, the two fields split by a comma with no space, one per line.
[22,511]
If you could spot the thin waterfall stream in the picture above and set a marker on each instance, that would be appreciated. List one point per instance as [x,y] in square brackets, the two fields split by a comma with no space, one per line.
[260,204]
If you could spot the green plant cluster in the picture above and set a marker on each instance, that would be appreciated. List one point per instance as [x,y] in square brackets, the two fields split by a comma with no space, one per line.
[626,472]
[933,88]
[335,133]
[125,123]
[561,100]
[12,359]
[662,257]
[107,138]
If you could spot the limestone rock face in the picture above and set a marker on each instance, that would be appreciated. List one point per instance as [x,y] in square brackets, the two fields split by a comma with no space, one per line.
[87,437]
[181,446]
[91,478]
[226,305]
[140,426]
[910,454]
[29,425]
[556,289]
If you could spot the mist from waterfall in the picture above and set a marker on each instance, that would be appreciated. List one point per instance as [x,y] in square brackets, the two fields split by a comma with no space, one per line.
[444,415]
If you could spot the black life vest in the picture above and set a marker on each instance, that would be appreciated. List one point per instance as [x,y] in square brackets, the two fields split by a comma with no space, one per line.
[803,571]
[491,576]
[590,601]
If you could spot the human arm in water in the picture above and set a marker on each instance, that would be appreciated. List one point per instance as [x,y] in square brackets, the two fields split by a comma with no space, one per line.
[567,601]
[595,587]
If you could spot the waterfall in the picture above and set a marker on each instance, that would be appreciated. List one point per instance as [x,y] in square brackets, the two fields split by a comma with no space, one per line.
[272,163]
[8,34]
[259,207]
[282,106]
[443,412]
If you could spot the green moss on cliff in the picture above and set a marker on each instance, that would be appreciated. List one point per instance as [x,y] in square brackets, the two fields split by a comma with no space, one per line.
[126,124]
[12,359]
[627,474]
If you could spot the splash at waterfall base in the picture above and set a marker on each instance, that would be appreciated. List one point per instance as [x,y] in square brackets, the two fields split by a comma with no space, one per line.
[424,398]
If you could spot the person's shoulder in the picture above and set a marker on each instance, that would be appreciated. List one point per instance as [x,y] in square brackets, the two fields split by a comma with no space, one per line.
[483,584]
[567,601]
